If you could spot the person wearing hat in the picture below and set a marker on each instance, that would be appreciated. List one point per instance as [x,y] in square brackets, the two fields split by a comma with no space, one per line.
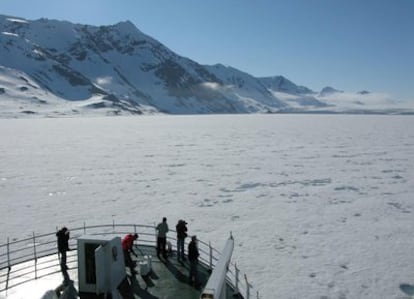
[181,229]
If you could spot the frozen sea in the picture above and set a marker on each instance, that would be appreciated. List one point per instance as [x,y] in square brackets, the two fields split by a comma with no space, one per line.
[320,206]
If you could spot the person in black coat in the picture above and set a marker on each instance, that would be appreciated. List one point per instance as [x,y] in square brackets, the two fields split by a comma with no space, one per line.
[181,229]
[193,255]
[63,245]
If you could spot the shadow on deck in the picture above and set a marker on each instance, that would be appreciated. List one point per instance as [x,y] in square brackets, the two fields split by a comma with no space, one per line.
[168,279]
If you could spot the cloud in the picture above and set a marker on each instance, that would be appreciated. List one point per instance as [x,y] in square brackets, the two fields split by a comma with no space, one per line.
[216,86]
[357,100]
[211,85]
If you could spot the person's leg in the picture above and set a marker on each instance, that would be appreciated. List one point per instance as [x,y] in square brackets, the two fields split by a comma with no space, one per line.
[63,259]
[128,262]
[182,249]
[190,276]
[163,248]
[131,265]
[178,249]
[127,258]
[193,273]
[159,246]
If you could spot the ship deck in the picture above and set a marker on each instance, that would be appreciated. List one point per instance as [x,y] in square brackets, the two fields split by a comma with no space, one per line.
[29,267]
[168,280]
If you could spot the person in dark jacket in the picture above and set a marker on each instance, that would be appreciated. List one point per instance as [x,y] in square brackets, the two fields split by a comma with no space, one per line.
[193,255]
[181,229]
[63,246]
[127,247]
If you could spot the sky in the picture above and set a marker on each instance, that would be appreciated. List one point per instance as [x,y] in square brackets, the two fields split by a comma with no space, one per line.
[351,45]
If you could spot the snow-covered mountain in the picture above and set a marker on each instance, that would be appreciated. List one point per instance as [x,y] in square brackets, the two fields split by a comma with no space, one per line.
[53,68]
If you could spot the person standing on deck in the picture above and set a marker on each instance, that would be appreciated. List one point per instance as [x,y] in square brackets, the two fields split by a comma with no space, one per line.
[162,229]
[193,255]
[181,229]
[127,248]
[63,246]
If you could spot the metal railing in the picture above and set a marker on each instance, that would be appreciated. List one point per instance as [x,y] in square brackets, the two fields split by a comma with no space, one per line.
[24,260]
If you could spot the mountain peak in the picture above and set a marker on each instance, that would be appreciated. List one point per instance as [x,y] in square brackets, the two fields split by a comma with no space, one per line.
[280,83]
[329,90]
[126,27]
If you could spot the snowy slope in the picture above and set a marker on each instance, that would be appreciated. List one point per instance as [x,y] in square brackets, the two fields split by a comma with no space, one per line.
[124,71]
[76,62]
[20,95]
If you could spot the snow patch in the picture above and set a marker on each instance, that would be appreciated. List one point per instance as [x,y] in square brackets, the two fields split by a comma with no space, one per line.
[104,80]
[9,34]
[16,20]
[211,85]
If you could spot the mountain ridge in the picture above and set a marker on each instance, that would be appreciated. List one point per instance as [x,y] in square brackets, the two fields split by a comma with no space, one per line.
[117,69]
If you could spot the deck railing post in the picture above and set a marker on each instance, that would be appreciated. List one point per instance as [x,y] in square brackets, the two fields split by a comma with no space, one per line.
[58,252]
[258,297]
[156,237]
[211,255]
[8,263]
[237,272]
[84,227]
[113,224]
[35,254]
[247,287]
[8,254]
[135,231]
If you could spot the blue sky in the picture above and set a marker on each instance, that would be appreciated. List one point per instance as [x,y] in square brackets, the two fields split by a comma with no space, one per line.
[352,45]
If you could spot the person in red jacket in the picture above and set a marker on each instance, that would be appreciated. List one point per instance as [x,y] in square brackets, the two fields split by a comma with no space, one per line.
[127,247]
